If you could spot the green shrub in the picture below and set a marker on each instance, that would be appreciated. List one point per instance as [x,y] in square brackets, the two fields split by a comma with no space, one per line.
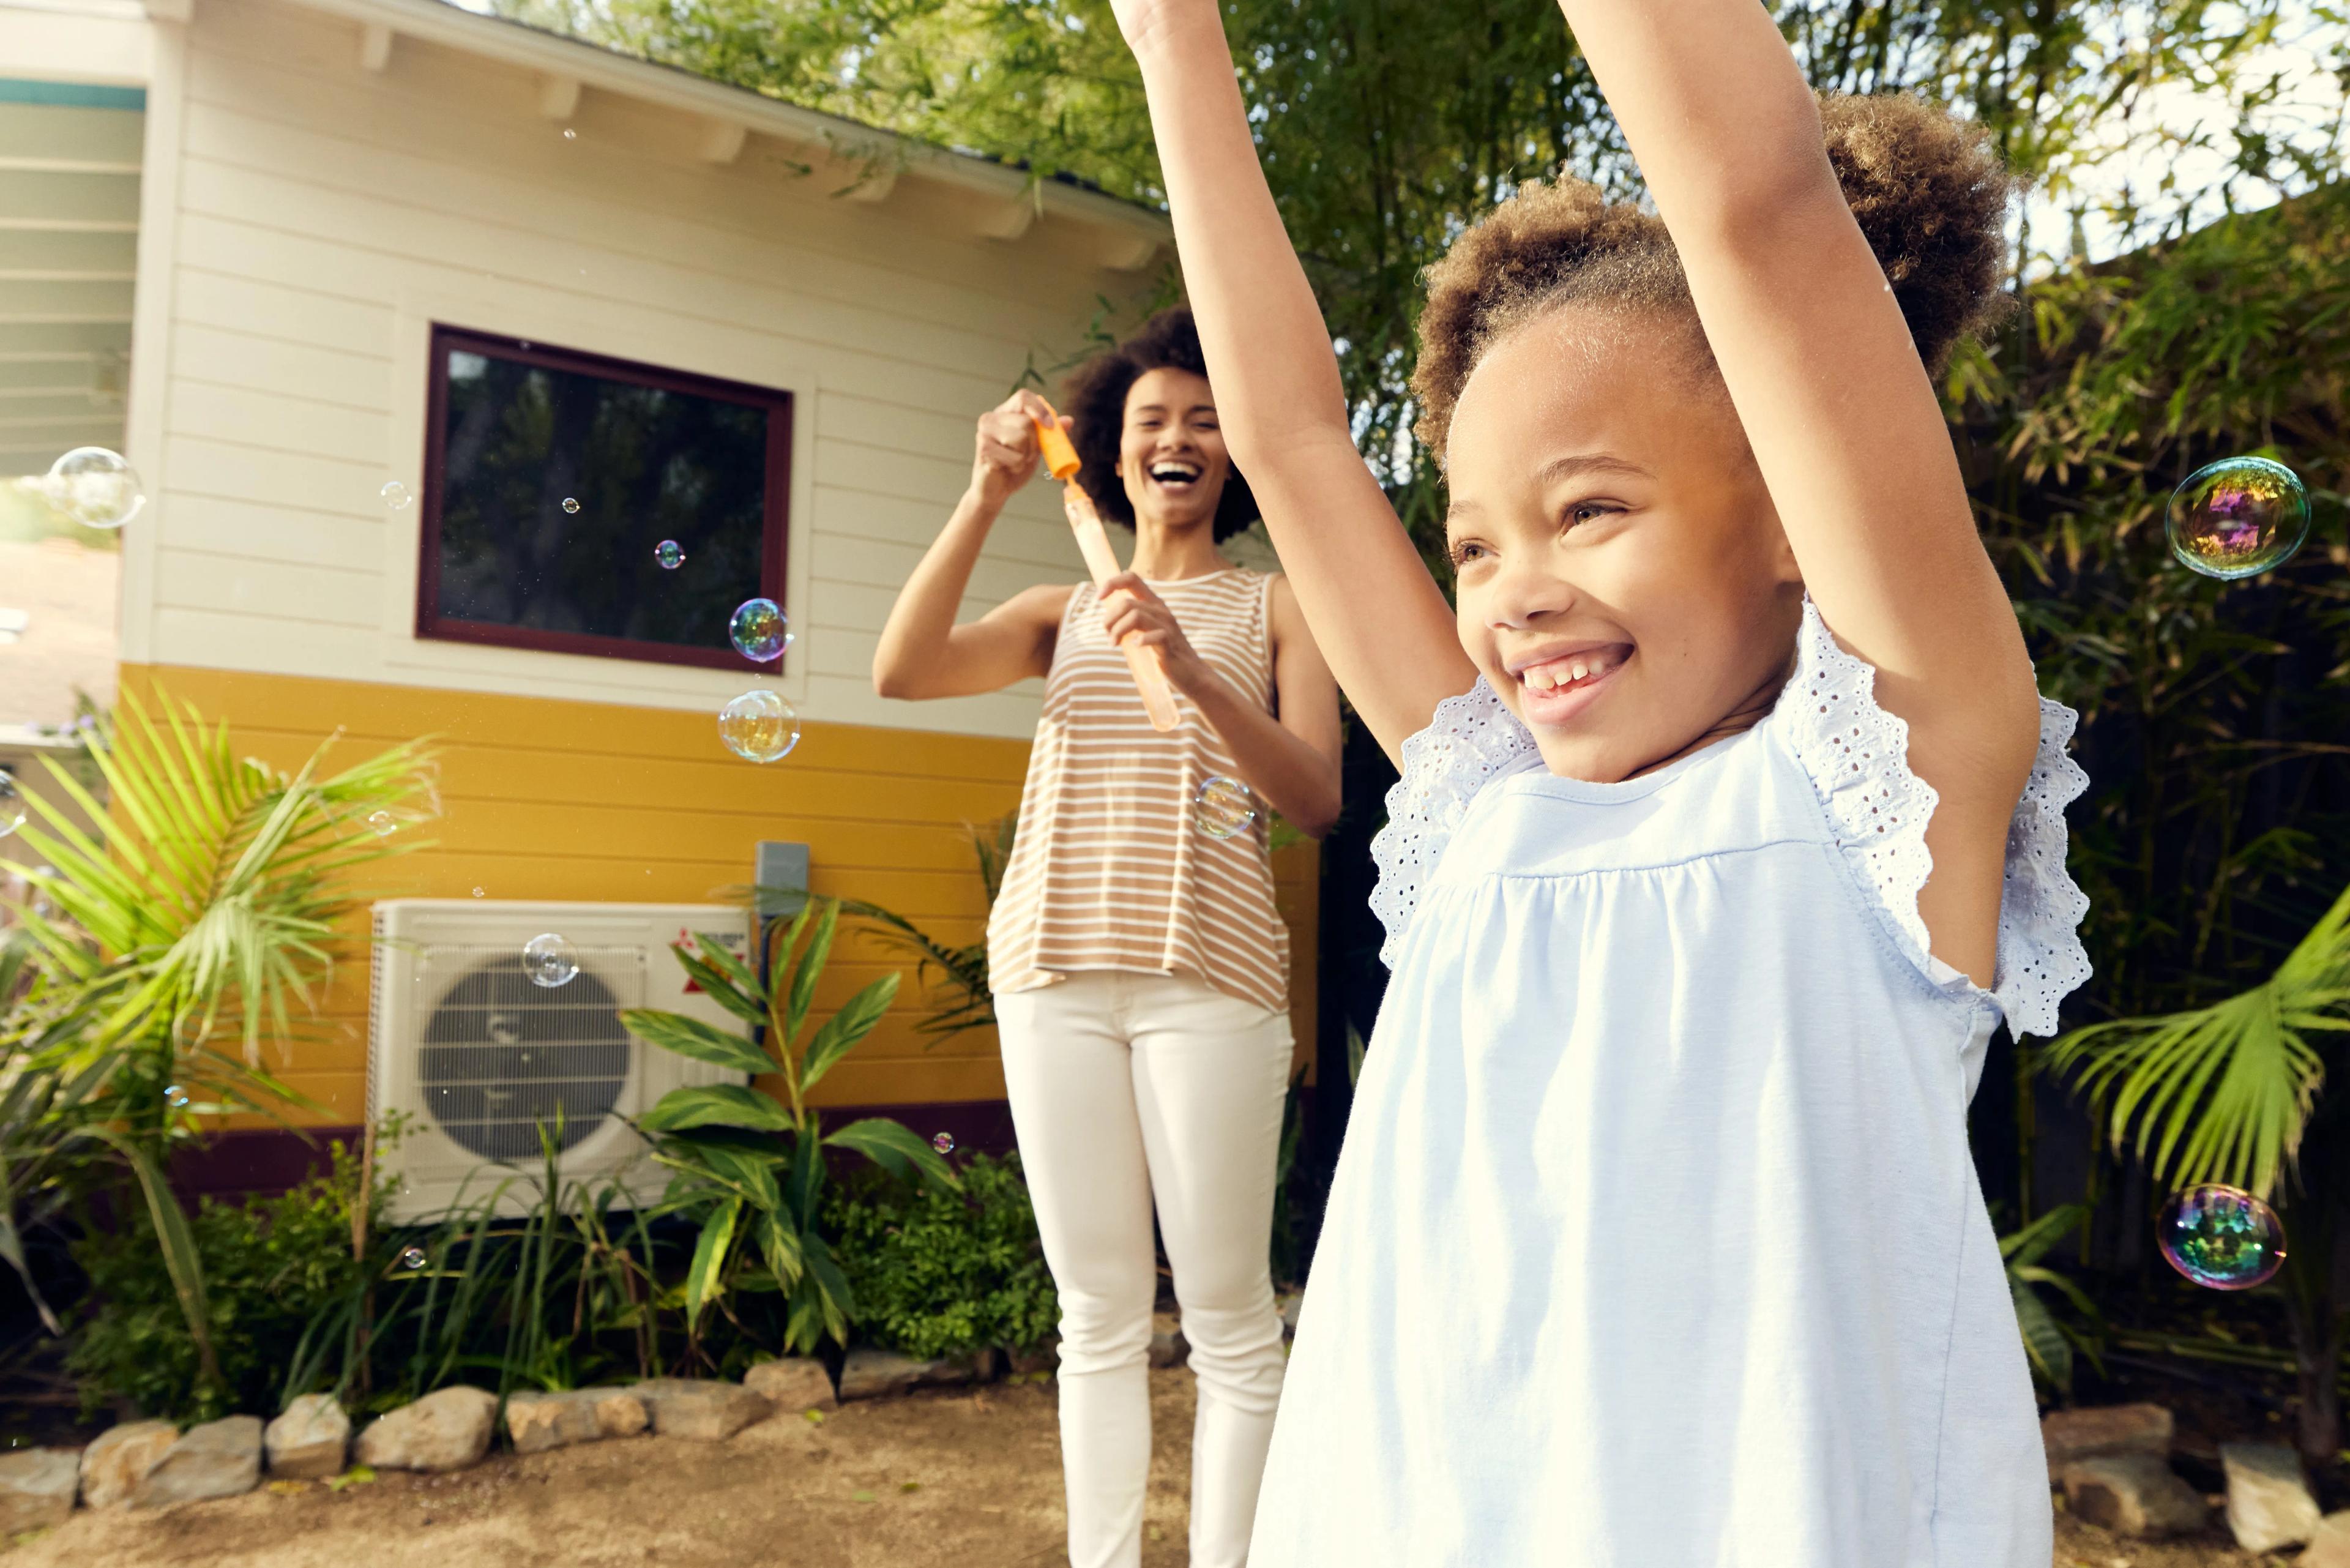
[943,1274]
[272,1266]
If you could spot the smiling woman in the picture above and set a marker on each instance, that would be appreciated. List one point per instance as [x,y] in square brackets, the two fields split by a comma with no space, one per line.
[1140,967]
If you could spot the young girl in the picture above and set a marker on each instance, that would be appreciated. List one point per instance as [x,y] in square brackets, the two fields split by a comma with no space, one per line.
[1141,968]
[1730,827]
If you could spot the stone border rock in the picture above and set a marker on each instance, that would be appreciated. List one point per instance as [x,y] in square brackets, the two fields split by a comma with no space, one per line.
[153,1464]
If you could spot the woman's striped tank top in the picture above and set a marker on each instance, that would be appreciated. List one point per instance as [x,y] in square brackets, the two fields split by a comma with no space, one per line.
[1109,870]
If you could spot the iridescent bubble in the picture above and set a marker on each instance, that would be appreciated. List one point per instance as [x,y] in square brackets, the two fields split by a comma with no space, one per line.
[668,554]
[175,1097]
[477,892]
[759,726]
[568,135]
[571,503]
[550,960]
[2238,517]
[413,1258]
[1223,806]
[2223,1237]
[943,1142]
[760,629]
[382,823]
[12,803]
[396,496]
[94,487]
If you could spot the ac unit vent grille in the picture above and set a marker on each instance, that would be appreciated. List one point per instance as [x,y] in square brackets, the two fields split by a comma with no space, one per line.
[502,1056]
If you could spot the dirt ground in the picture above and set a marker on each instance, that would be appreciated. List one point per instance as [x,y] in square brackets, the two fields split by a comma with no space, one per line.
[956,1479]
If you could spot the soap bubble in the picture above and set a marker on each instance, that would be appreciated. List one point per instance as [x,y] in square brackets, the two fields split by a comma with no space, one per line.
[668,554]
[550,960]
[569,134]
[760,629]
[175,1097]
[2238,517]
[943,1142]
[411,1258]
[12,803]
[1224,807]
[571,503]
[477,892]
[395,495]
[94,487]
[759,726]
[2223,1237]
[382,823]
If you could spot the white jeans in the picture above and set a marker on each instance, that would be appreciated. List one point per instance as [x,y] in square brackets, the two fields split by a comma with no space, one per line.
[1126,1086]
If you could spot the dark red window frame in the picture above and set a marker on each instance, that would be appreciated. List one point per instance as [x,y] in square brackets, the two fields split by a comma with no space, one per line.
[774,524]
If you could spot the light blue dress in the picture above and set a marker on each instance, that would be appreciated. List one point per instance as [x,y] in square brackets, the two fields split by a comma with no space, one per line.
[1656,1243]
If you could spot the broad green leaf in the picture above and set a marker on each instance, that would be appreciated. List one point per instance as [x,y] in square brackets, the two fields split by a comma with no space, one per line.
[839,1301]
[716,955]
[781,1243]
[691,1038]
[808,967]
[896,1149]
[710,1249]
[751,1009]
[842,1031]
[178,1245]
[722,1105]
[2044,1344]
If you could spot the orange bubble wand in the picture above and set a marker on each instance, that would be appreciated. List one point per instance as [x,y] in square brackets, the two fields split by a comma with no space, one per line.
[1093,543]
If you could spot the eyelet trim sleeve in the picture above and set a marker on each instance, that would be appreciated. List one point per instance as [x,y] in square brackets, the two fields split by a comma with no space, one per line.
[2041,959]
[1857,757]
[1472,740]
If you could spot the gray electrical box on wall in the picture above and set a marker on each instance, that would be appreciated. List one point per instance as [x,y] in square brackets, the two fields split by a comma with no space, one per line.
[782,874]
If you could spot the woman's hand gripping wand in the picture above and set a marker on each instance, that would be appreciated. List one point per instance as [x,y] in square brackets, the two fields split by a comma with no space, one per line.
[1093,543]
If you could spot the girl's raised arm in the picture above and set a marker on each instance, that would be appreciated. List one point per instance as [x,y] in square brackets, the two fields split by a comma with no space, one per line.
[1378,616]
[1840,412]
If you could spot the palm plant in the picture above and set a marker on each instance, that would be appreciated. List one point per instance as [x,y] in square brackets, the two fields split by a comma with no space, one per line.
[206,903]
[962,998]
[752,1167]
[2231,1092]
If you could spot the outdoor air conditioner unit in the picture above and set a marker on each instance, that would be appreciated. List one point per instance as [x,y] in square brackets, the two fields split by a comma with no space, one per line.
[478,1057]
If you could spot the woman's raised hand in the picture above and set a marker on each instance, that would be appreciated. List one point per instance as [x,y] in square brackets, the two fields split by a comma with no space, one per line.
[1005,458]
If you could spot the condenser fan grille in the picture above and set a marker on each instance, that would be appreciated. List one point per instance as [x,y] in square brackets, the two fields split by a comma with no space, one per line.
[503,1057]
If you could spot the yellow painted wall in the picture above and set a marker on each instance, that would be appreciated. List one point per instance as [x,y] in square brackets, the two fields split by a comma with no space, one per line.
[558,799]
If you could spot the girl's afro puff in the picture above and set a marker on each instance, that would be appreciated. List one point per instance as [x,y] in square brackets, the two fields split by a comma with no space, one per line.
[1927,190]
[1095,401]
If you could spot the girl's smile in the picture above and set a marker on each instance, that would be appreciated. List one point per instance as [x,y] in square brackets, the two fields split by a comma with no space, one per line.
[1556,685]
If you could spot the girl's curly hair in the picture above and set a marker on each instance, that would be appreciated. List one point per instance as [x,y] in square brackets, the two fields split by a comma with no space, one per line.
[1928,190]
[1095,401]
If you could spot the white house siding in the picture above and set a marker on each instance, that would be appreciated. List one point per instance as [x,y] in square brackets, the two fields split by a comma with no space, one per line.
[317,217]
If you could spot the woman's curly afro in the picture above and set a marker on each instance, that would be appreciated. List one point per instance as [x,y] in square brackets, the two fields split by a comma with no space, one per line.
[1095,401]
[1928,190]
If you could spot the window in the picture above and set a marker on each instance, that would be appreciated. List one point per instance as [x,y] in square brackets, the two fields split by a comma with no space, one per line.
[551,479]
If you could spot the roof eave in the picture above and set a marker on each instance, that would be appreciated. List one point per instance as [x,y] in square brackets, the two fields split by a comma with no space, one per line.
[1136,232]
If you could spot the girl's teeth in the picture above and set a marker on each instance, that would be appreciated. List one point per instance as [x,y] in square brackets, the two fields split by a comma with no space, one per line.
[1581,670]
